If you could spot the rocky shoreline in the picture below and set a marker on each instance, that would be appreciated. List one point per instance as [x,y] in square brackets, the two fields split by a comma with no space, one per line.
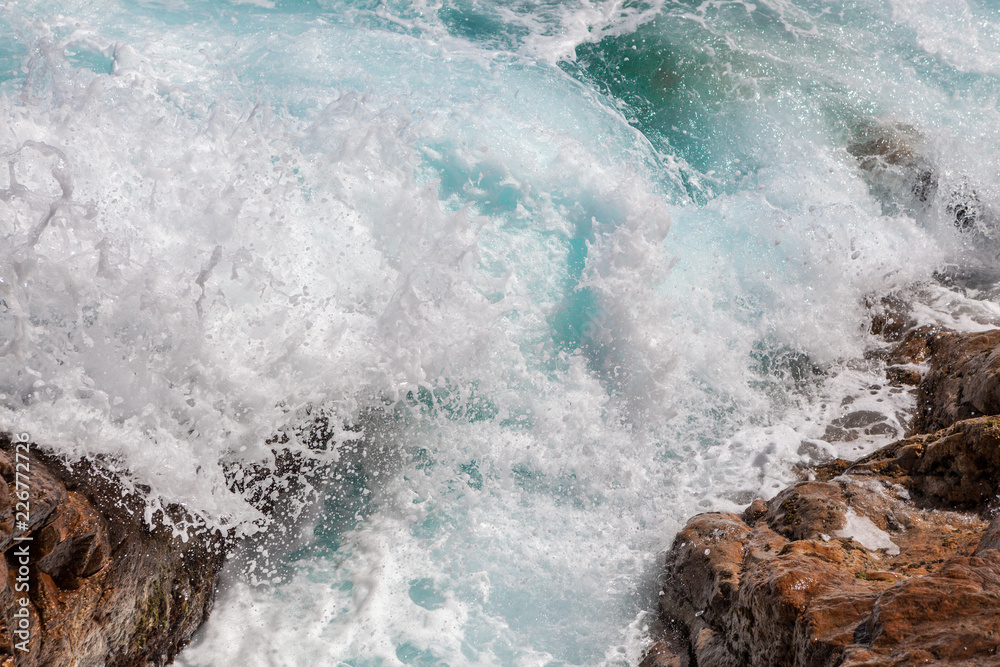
[89,582]
[890,560]
[893,559]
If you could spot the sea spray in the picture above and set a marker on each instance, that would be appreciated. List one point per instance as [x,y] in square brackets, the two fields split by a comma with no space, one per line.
[594,266]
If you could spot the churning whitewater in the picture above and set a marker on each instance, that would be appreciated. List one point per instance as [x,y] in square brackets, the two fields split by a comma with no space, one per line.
[549,276]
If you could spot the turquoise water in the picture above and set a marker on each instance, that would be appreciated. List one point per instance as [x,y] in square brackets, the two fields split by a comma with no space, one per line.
[559,274]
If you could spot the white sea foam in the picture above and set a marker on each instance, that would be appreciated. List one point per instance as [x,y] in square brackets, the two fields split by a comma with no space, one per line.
[259,211]
[965,36]
[863,530]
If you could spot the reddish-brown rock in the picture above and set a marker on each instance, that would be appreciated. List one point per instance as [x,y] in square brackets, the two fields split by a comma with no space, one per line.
[962,379]
[892,318]
[890,563]
[957,466]
[948,617]
[665,653]
[891,560]
[102,588]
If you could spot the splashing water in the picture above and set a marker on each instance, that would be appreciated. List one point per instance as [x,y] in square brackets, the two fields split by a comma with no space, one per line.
[566,273]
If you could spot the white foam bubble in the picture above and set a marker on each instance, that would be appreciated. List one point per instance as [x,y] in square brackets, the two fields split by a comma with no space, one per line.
[863,530]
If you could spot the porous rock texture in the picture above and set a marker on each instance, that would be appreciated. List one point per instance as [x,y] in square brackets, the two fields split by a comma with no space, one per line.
[891,560]
[102,588]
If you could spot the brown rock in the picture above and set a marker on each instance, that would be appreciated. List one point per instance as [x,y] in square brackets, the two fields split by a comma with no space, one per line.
[663,654]
[827,471]
[706,558]
[101,587]
[798,602]
[917,346]
[991,538]
[756,510]
[963,380]
[889,563]
[74,544]
[959,466]
[806,510]
[949,615]
[44,494]
[891,318]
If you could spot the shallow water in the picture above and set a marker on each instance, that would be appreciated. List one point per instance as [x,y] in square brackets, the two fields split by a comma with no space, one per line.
[570,272]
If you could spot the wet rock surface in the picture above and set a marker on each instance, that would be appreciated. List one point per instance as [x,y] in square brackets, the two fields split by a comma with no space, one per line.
[102,588]
[962,380]
[891,560]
